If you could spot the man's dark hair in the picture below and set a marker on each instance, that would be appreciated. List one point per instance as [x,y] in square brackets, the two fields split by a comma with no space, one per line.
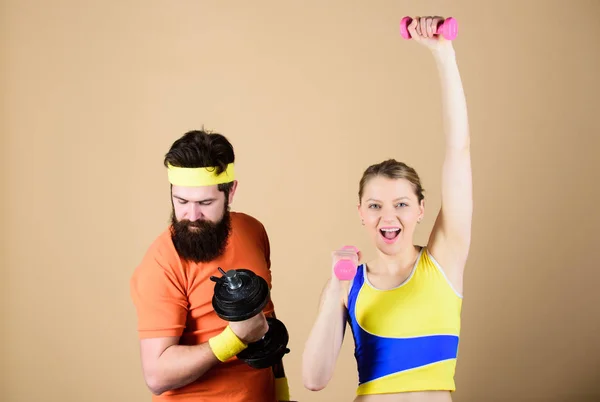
[199,148]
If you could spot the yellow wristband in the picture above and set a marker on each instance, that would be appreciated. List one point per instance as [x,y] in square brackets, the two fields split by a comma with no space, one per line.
[226,344]
[282,389]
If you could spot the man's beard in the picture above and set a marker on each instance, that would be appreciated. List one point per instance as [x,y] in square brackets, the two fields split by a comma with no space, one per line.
[205,241]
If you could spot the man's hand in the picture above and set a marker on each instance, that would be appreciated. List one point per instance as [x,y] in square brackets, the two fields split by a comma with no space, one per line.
[250,330]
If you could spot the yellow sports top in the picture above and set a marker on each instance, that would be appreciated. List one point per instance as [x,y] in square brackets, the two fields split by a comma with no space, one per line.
[406,338]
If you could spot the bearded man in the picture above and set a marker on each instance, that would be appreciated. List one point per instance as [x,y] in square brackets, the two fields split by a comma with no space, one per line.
[187,352]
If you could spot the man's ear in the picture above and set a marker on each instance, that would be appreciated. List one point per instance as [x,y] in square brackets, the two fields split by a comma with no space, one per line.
[232,191]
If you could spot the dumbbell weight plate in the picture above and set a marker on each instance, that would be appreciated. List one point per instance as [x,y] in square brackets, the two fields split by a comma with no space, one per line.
[269,350]
[244,300]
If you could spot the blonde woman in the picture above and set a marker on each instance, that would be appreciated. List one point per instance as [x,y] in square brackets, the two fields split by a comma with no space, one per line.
[404,306]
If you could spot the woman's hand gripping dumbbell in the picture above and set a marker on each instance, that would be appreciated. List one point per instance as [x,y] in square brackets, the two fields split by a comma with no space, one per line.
[429,27]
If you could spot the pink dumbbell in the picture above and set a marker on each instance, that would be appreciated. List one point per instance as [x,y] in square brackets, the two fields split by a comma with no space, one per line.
[448,28]
[347,263]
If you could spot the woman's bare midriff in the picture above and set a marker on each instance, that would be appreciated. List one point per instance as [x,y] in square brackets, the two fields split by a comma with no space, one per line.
[430,396]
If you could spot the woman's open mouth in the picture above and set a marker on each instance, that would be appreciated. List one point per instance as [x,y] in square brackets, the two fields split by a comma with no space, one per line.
[389,233]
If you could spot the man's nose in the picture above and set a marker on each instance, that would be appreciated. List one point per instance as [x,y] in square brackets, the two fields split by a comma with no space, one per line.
[194,212]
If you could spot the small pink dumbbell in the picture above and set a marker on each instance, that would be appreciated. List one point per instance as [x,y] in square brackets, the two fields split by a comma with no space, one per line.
[448,28]
[347,263]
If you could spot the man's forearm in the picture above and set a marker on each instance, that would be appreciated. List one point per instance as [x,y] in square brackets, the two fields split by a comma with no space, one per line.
[180,365]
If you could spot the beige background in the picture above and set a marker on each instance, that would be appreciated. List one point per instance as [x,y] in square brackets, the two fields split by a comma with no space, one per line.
[310,93]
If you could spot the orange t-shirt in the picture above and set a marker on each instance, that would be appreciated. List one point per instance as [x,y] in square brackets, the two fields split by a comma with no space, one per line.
[174,298]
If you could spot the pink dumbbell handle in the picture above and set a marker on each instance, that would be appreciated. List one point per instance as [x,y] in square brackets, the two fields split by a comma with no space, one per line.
[448,28]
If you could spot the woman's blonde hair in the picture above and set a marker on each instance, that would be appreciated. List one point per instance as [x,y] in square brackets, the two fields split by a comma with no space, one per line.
[392,169]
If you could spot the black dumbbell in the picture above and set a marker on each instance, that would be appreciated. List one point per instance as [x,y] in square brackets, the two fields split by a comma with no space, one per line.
[240,294]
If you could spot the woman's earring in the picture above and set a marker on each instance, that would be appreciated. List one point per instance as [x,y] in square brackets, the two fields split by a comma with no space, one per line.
[363,222]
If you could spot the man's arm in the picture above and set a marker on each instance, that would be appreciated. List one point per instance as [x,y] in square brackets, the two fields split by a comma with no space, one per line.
[167,365]
[158,293]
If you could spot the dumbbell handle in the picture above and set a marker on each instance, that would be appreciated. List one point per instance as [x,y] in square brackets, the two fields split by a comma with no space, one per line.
[231,278]
[448,28]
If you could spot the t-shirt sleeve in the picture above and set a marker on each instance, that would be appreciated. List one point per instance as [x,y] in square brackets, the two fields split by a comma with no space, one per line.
[159,298]
[266,247]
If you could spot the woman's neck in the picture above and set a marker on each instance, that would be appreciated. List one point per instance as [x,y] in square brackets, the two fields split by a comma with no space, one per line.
[400,262]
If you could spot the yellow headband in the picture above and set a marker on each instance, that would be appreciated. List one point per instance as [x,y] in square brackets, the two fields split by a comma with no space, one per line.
[195,177]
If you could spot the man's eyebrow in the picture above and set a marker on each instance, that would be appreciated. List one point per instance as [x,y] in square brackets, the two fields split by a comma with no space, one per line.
[204,200]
